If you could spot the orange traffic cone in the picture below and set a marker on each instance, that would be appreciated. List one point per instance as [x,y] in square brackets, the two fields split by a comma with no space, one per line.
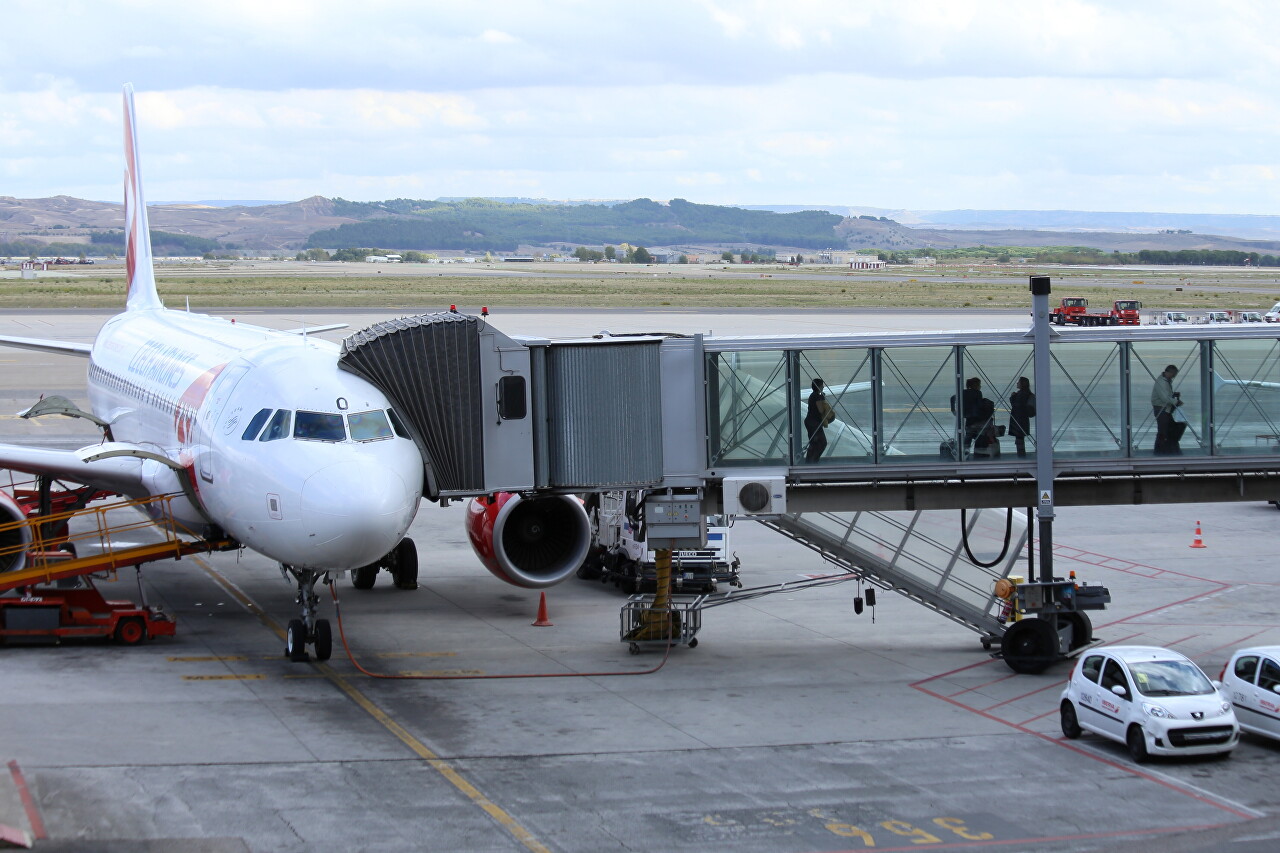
[1199,543]
[543,622]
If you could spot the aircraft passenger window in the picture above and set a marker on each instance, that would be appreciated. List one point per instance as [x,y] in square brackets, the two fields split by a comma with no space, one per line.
[1269,677]
[369,426]
[278,428]
[318,426]
[255,425]
[396,424]
[1246,668]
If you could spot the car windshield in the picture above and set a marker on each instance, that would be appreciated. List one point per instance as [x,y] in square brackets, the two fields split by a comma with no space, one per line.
[1170,678]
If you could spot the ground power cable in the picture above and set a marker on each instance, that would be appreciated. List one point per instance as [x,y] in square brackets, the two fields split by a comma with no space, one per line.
[342,633]
[964,537]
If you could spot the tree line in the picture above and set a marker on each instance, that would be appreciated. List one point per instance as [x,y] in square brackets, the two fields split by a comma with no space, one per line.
[1089,255]
[485,225]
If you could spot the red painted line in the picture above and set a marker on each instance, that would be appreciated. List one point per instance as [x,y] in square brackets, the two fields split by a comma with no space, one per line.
[986,683]
[1087,754]
[1064,549]
[28,802]
[1039,717]
[1170,604]
[1084,836]
[1176,643]
[1240,643]
[1055,686]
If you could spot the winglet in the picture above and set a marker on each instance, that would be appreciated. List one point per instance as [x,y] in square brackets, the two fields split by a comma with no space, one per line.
[142,280]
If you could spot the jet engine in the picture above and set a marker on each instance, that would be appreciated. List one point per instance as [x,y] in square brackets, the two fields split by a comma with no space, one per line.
[15,540]
[529,542]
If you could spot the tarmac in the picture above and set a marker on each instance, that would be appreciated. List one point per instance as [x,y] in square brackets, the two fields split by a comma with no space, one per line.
[795,725]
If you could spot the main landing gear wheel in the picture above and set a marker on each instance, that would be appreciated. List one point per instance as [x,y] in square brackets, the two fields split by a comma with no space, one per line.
[404,564]
[295,643]
[363,577]
[1029,646]
[324,640]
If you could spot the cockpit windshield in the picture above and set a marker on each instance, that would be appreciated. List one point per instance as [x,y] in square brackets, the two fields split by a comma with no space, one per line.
[319,426]
[369,426]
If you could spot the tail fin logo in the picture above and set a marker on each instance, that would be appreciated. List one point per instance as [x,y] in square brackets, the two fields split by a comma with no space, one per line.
[142,291]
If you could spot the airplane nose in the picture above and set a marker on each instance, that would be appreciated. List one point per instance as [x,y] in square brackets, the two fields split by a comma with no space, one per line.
[355,513]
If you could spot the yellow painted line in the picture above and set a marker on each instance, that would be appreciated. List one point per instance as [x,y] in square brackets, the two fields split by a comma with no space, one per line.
[206,658]
[435,762]
[223,677]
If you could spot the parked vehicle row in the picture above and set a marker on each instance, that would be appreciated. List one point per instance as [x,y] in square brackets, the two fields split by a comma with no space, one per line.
[1158,702]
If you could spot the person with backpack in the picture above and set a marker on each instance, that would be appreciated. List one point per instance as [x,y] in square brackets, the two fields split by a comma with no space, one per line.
[1022,408]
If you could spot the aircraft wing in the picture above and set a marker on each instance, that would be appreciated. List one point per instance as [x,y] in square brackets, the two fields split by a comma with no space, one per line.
[42,345]
[121,474]
[313,330]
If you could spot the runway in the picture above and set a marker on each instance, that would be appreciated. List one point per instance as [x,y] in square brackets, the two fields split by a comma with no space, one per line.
[795,725]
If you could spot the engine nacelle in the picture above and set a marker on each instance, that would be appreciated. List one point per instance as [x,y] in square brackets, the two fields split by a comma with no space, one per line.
[533,543]
[15,541]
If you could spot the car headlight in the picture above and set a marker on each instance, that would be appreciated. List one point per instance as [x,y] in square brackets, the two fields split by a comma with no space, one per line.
[1156,711]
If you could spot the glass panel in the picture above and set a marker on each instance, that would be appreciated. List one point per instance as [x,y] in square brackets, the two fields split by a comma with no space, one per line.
[1087,414]
[1147,362]
[255,424]
[396,424]
[850,433]
[278,428]
[1246,396]
[369,426]
[998,369]
[750,392]
[917,384]
[318,426]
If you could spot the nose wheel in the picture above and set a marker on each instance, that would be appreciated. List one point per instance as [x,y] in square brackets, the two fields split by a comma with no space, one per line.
[308,630]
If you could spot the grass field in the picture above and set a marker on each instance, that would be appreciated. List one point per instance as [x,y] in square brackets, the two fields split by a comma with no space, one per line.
[276,284]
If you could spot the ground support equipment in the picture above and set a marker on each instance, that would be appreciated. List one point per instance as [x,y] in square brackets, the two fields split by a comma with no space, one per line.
[639,628]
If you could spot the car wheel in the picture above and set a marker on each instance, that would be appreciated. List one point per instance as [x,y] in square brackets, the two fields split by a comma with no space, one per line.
[1070,725]
[1137,743]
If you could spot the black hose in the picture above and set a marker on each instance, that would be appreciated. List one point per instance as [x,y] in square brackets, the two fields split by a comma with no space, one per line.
[964,537]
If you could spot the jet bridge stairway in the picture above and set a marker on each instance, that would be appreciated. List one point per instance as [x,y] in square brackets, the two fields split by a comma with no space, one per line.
[921,555]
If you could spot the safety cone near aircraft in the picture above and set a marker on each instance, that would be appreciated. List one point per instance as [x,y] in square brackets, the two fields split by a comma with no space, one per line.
[1199,542]
[542,621]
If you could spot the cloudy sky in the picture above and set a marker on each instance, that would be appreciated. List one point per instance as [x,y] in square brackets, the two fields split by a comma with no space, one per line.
[1128,105]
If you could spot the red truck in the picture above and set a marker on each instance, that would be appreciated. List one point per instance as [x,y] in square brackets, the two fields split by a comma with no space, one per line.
[1075,310]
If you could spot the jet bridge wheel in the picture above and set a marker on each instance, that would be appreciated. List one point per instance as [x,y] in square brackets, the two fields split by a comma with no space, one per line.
[1029,646]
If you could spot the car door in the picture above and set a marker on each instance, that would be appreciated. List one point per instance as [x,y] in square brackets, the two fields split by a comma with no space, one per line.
[1114,710]
[1266,701]
[1241,689]
[1087,693]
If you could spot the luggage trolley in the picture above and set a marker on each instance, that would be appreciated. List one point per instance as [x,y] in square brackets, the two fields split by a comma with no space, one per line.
[641,625]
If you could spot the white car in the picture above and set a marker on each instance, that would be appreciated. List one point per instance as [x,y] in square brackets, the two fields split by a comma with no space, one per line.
[1216,317]
[1251,680]
[1250,316]
[1273,316]
[1154,701]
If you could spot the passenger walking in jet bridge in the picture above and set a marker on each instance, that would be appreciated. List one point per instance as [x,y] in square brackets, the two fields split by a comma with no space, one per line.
[1022,408]
[1164,404]
[816,418]
[976,413]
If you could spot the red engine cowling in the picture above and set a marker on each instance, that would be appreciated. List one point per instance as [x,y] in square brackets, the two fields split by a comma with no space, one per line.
[15,541]
[529,542]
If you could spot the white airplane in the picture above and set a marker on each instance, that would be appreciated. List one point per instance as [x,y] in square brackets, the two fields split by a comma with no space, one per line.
[256,432]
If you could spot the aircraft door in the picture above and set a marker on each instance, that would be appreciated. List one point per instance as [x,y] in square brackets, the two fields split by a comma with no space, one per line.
[216,423]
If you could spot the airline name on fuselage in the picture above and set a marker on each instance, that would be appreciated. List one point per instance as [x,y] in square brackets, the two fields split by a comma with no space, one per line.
[163,363]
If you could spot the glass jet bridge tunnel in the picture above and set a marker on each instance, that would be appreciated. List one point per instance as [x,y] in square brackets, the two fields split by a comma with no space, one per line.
[723,419]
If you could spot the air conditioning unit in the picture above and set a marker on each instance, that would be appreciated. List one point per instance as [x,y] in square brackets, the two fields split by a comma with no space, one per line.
[755,494]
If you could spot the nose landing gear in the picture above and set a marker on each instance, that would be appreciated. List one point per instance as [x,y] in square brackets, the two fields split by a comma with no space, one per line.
[308,630]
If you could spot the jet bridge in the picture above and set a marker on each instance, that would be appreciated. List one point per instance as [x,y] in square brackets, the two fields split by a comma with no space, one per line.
[721,420]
